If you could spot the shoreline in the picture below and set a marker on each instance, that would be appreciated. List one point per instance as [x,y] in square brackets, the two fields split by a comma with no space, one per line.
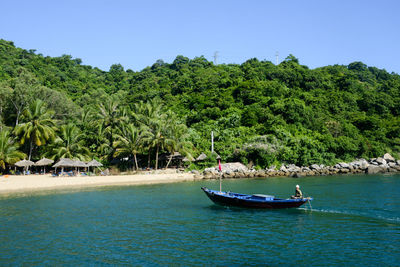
[14,184]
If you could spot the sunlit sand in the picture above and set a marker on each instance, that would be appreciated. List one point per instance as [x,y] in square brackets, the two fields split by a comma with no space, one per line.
[25,183]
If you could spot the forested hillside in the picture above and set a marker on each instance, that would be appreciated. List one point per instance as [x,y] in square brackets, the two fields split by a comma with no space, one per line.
[260,113]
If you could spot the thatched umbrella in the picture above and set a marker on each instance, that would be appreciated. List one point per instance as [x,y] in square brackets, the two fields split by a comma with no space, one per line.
[44,162]
[64,163]
[93,163]
[201,157]
[79,164]
[24,163]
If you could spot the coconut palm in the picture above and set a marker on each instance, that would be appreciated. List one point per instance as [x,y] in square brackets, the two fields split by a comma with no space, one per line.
[38,125]
[177,140]
[9,153]
[130,141]
[150,119]
[69,144]
[110,117]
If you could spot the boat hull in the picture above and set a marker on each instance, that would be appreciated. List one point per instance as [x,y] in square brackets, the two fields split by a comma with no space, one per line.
[248,201]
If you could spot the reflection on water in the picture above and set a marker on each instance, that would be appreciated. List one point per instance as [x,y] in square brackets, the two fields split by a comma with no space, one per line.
[176,224]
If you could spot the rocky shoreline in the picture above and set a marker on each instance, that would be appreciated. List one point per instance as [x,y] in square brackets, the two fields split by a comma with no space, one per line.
[383,164]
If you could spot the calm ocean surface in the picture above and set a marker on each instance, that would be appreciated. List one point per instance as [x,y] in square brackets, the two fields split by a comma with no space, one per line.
[355,221]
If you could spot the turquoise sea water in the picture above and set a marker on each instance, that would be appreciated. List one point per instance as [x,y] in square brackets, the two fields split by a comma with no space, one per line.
[355,221]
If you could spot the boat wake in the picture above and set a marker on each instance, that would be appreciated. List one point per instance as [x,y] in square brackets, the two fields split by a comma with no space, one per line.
[354,214]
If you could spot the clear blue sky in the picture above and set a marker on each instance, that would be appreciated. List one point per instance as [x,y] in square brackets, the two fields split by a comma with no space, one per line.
[137,33]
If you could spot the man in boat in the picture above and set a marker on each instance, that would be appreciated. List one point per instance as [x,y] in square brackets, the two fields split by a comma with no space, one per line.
[298,193]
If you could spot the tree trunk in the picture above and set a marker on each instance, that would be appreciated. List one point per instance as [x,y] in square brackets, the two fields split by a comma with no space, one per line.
[148,160]
[30,149]
[134,156]
[169,161]
[157,156]
[17,120]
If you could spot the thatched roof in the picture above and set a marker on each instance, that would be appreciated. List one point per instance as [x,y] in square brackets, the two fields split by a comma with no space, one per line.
[201,157]
[24,163]
[69,163]
[64,163]
[94,163]
[78,163]
[44,162]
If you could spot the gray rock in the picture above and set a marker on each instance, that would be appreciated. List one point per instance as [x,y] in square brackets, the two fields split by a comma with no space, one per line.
[392,164]
[315,167]
[272,168]
[373,169]
[344,165]
[388,158]
[381,161]
[283,168]
[398,162]
[294,168]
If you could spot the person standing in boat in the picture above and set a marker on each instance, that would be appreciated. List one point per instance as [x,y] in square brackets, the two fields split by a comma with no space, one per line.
[298,193]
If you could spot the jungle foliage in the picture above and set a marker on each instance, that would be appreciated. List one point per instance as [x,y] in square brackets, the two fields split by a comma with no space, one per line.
[260,113]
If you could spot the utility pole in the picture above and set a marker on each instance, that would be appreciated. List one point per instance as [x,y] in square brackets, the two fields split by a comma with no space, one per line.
[277,58]
[212,141]
[215,57]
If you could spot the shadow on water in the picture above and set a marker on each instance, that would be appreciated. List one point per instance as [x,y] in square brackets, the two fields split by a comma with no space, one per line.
[219,208]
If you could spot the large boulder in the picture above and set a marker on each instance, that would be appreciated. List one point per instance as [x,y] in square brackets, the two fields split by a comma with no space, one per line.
[315,167]
[234,167]
[373,169]
[344,165]
[381,161]
[388,158]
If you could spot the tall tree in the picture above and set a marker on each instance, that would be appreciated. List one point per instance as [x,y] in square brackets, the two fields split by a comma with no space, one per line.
[23,92]
[149,116]
[130,141]
[38,125]
[110,117]
[69,144]
[177,139]
[9,153]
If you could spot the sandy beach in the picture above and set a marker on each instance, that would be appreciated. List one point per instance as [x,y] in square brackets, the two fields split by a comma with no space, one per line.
[28,183]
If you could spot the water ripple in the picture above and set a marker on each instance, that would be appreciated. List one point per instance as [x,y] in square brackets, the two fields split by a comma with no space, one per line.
[177,224]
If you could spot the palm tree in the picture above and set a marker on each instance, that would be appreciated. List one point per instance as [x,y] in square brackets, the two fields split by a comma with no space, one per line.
[156,138]
[69,144]
[110,117]
[38,126]
[177,135]
[130,141]
[9,153]
[149,117]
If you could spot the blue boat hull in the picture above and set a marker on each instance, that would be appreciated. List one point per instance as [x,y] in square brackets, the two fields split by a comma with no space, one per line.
[253,201]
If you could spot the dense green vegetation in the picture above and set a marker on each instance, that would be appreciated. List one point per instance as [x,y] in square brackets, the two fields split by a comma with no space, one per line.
[260,113]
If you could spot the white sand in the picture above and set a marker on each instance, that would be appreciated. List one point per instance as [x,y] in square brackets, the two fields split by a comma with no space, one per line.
[26,183]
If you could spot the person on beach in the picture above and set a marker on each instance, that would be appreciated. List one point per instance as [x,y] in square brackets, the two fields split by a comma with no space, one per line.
[297,193]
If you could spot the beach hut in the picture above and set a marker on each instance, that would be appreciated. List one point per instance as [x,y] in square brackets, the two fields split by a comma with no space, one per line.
[93,163]
[201,157]
[64,163]
[24,163]
[79,164]
[44,162]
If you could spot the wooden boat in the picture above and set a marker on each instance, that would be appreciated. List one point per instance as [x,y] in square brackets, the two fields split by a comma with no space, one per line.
[253,201]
